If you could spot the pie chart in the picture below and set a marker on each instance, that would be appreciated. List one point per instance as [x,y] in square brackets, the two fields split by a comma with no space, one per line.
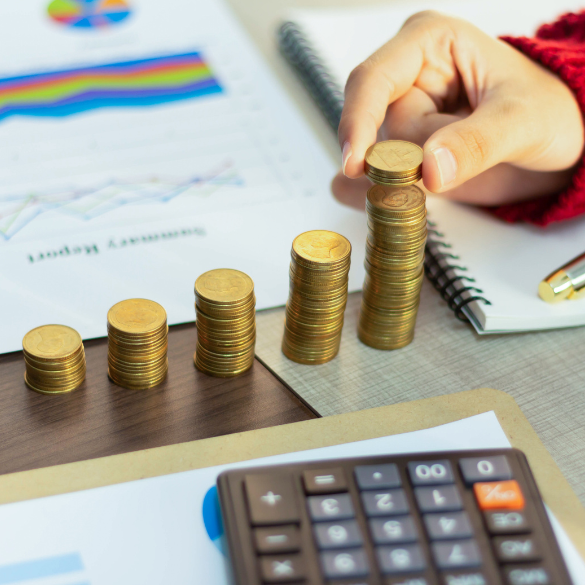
[89,13]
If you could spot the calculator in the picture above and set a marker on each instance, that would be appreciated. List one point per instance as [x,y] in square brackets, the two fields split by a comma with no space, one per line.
[447,518]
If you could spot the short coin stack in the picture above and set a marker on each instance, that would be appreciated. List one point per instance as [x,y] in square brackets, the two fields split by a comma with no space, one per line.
[226,322]
[54,359]
[317,298]
[137,344]
[397,231]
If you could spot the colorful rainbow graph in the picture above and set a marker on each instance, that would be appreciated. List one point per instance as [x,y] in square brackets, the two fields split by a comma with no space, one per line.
[88,13]
[142,82]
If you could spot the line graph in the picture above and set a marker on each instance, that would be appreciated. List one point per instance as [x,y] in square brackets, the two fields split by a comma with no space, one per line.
[18,211]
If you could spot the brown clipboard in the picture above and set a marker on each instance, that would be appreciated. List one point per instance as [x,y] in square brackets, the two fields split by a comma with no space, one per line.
[322,432]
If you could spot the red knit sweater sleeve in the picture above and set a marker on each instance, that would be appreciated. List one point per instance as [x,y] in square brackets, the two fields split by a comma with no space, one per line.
[560,47]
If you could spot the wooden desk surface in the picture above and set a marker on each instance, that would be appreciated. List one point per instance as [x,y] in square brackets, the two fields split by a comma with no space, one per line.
[101,418]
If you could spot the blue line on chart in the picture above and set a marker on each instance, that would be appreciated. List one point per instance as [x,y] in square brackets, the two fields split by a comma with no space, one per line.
[131,194]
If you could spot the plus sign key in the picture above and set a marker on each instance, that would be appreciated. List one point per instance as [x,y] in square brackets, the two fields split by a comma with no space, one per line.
[271,499]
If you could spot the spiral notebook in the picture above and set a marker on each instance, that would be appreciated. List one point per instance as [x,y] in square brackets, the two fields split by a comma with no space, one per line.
[486,270]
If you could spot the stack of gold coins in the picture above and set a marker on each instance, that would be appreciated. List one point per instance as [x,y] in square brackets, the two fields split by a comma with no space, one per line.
[397,231]
[137,344]
[318,294]
[226,322]
[54,359]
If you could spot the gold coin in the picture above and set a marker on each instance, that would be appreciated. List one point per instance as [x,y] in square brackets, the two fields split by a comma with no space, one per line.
[52,342]
[393,158]
[321,246]
[396,199]
[224,286]
[137,316]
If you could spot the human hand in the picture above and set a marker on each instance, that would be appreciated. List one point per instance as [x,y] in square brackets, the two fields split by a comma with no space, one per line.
[495,126]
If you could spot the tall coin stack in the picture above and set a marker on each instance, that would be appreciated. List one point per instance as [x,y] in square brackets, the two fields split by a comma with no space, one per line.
[54,359]
[137,344]
[226,322]
[397,231]
[318,293]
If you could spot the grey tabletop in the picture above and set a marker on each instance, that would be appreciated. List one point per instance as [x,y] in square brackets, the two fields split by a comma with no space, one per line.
[543,371]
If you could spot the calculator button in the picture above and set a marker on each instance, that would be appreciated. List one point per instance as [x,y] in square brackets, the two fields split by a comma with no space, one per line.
[505,522]
[516,549]
[430,472]
[386,503]
[271,499]
[463,578]
[460,553]
[394,530]
[282,569]
[277,540]
[499,494]
[354,581]
[407,581]
[336,507]
[400,559]
[324,481]
[448,526]
[371,477]
[438,499]
[349,563]
[523,575]
[338,534]
[476,469]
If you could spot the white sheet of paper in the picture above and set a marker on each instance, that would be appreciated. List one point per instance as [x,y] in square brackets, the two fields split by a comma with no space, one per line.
[120,202]
[345,37]
[155,530]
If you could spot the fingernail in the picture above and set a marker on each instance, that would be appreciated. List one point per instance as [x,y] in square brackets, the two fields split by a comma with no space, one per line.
[446,164]
[345,154]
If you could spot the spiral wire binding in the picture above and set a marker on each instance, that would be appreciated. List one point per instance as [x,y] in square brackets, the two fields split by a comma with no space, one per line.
[441,273]
[314,74]
[329,97]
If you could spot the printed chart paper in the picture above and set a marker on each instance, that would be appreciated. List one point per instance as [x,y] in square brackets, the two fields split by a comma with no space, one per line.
[167,529]
[142,143]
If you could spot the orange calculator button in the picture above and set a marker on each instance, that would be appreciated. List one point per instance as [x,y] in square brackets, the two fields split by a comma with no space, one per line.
[499,494]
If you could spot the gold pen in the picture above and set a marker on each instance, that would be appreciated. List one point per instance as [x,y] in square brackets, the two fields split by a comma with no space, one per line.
[568,282]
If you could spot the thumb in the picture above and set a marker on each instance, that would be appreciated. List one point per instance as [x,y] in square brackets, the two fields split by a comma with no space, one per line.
[466,148]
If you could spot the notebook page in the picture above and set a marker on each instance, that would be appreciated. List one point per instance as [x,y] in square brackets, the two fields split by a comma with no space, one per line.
[507,261]
[345,37]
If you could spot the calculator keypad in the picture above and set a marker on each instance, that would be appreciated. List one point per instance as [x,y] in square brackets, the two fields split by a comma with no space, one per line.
[445,520]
